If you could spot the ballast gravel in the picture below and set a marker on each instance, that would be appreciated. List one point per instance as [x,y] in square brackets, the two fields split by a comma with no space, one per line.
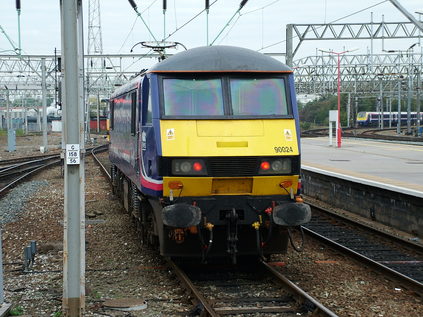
[12,205]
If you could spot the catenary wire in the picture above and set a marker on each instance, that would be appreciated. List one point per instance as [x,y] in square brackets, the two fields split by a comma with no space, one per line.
[347,16]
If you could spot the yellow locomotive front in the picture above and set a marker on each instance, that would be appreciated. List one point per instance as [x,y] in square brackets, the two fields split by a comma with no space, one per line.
[230,159]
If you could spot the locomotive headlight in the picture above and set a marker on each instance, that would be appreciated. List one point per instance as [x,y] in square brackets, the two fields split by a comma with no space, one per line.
[275,166]
[189,167]
[185,167]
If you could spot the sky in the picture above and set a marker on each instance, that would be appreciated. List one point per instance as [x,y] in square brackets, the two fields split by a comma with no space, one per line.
[260,24]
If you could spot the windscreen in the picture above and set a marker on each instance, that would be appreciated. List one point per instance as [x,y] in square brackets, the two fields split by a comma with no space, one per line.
[258,97]
[225,97]
[361,115]
[193,97]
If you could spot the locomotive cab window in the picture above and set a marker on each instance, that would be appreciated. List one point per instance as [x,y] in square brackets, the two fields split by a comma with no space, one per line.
[112,114]
[258,97]
[246,96]
[193,97]
[133,113]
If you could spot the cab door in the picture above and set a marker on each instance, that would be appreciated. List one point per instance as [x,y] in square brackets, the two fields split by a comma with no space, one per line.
[151,180]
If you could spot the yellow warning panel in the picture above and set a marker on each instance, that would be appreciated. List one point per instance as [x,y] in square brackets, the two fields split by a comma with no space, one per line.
[229,137]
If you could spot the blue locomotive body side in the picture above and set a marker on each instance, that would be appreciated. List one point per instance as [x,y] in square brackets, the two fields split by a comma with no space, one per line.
[123,151]
[136,145]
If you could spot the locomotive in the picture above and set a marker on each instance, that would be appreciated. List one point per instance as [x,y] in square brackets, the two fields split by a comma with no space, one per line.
[205,153]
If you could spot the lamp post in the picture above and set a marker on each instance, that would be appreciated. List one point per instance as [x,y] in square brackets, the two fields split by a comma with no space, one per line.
[338,123]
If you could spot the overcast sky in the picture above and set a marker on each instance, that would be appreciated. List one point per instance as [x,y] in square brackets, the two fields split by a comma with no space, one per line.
[261,23]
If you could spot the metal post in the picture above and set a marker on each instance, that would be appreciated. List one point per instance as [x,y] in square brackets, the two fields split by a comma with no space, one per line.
[382,114]
[11,134]
[356,111]
[74,224]
[338,122]
[25,113]
[399,106]
[164,19]
[418,102]
[390,111]
[98,113]
[18,10]
[349,110]
[87,113]
[44,101]
[371,42]
[289,57]
[39,123]
[1,272]
[410,84]
[7,110]
[207,21]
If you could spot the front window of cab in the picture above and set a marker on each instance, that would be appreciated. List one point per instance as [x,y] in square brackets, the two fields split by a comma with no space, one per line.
[226,97]
[192,97]
[258,97]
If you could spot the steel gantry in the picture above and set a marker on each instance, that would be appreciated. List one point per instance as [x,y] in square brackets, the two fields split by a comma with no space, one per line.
[23,72]
[346,31]
[360,74]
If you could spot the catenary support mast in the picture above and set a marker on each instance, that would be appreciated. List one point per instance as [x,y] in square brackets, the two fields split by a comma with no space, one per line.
[74,225]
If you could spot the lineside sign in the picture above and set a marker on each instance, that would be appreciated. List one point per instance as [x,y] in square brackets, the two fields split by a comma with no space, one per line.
[72,154]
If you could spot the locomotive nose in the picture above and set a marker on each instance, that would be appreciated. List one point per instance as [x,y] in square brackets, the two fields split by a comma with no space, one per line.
[292,214]
[181,215]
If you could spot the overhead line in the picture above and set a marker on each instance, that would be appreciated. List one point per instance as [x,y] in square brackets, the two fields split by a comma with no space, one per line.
[347,16]
[189,21]
[258,9]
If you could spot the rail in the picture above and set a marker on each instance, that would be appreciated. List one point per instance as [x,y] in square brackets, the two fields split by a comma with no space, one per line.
[389,260]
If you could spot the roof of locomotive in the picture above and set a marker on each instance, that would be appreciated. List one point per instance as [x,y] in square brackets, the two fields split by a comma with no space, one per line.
[220,59]
[131,85]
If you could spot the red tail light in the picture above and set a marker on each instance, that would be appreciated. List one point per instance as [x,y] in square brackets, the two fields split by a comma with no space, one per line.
[197,166]
[264,166]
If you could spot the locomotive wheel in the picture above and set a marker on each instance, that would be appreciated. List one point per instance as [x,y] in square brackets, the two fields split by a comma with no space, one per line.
[113,174]
[146,225]
[125,197]
[135,202]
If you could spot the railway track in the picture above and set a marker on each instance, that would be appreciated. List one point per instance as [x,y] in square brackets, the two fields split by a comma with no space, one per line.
[9,162]
[235,286]
[14,171]
[397,258]
[363,133]
[257,289]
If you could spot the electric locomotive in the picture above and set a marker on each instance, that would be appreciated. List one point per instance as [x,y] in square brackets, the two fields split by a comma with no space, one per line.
[205,153]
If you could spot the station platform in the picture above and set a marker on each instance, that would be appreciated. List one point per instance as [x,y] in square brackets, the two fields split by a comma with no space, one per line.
[392,166]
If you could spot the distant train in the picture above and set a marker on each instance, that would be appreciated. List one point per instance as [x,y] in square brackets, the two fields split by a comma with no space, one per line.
[373,118]
[205,153]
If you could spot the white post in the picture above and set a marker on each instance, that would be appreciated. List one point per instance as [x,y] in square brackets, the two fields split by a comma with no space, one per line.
[44,98]
[333,117]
